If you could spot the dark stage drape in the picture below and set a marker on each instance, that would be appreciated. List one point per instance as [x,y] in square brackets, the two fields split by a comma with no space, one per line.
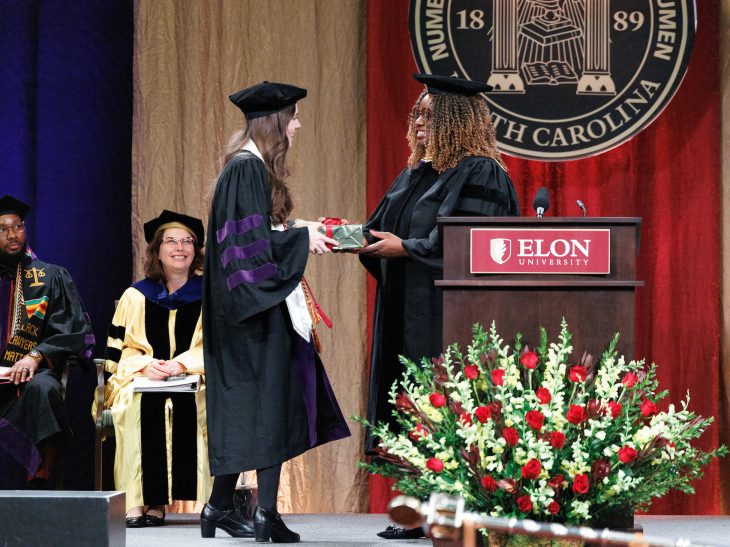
[65,133]
[669,175]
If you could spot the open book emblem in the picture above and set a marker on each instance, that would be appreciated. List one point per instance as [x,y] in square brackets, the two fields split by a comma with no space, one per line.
[500,250]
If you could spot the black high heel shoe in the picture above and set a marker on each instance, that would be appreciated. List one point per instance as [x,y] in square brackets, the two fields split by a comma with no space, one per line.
[228,520]
[269,525]
[154,520]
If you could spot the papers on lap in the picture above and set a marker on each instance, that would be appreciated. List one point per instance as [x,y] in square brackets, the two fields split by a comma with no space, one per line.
[4,375]
[189,383]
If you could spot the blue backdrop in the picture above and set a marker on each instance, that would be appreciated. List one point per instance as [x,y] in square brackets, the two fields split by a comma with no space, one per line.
[65,148]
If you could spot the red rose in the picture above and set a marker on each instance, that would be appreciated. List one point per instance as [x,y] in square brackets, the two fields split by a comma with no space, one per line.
[601,468]
[630,379]
[553,508]
[543,395]
[496,410]
[648,408]
[576,414]
[524,503]
[627,454]
[418,433]
[529,360]
[465,418]
[615,409]
[556,482]
[489,484]
[534,419]
[435,465]
[557,439]
[437,399]
[511,436]
[482,414]
[531,470]
[594,408]
[580,483]
[498,376]
[471,372]
[578,374]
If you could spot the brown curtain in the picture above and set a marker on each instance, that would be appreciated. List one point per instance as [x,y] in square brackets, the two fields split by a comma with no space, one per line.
[189,56]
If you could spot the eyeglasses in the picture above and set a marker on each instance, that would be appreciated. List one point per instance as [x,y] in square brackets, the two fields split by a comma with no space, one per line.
[173,241]
[426,114]
[18,228]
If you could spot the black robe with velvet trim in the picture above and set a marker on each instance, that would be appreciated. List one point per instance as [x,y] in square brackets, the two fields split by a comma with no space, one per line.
[257,412]
[408,314]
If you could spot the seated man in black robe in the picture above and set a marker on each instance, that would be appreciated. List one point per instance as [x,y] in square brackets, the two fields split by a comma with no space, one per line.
[42,324]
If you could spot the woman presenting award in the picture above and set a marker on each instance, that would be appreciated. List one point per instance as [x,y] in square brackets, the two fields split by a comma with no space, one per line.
[454,169]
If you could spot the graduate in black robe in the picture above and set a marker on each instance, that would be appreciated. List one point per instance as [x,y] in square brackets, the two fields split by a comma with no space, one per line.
[454,170]
[42,324]
[268,396]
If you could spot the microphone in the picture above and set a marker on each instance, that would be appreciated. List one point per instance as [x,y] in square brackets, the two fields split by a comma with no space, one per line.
[541,203]
[582,207]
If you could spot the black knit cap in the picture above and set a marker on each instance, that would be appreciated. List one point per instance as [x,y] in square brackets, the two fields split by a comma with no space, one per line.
[447,84]
[192,224]
[10,205]
[266,98]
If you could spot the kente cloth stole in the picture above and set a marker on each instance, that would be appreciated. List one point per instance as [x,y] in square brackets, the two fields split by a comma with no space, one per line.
[26,313]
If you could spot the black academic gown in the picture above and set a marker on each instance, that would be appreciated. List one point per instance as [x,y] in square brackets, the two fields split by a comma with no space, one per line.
[260,410]
[408,314]
[54,322]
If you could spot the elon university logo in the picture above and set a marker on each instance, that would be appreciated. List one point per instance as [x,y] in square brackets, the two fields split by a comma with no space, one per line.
[500,249]
[571,78]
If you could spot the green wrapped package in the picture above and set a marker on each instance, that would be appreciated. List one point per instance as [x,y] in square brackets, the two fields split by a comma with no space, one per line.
[349,236]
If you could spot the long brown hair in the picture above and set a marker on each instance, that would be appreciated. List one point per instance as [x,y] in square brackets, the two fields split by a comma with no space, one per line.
[153,265]
[269,134]
[461,126]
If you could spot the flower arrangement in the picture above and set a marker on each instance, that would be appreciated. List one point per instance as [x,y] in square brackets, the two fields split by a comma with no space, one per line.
[527,433]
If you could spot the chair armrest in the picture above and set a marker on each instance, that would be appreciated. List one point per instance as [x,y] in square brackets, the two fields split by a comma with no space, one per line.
[99,391]
[73,361]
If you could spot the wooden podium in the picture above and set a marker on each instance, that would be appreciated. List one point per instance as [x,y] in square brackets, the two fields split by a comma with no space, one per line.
[595,305]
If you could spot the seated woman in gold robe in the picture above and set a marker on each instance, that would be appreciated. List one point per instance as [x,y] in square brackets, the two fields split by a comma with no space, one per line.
[156,332]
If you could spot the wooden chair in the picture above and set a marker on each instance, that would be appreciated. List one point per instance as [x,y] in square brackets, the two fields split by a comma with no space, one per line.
[104,424]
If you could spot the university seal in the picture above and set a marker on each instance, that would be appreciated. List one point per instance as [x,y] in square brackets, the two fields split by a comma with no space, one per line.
[571,78]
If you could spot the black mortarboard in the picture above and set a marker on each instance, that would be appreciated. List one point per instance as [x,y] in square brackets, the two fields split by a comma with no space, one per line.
[266,98]
[448,84]
[9,205]
[171,219]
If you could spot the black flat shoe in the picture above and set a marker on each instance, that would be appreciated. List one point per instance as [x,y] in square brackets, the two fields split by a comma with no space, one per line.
[270,526]
[152,520]
[228,520]
[135,522]
[396,532]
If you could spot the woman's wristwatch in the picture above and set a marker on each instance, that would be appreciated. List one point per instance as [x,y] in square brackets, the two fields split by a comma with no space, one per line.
[36,355]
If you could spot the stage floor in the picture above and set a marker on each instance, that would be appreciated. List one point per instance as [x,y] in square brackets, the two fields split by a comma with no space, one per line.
[358,530]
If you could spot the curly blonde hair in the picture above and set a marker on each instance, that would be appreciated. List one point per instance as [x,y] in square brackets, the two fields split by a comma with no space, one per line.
[460,126]
[418,151]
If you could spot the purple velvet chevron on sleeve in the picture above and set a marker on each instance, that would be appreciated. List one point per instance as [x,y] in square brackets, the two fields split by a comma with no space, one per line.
[247,251]
[251,276]
[239,226]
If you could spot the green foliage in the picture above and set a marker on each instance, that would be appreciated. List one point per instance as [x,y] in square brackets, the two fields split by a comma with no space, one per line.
[534,434]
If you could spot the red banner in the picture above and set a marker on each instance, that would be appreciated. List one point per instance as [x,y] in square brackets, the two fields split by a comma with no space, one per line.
[548,251]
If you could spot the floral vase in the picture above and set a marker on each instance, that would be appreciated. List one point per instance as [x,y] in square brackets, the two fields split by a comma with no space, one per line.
[498,539]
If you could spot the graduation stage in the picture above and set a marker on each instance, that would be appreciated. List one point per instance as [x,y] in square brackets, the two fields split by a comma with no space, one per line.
[351,530]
